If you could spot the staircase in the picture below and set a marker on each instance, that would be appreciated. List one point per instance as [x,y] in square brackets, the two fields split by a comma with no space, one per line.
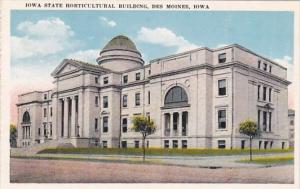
[34,149]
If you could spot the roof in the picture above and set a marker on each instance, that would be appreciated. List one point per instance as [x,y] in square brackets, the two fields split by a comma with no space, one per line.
[120,42]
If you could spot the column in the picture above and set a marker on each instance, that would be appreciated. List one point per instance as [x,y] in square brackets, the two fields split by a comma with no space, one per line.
[73,115]
[80,113]
[65,118]
[55,117]
[180,124]
[171,125]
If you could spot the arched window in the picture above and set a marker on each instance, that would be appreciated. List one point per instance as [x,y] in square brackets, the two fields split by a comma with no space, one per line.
[26,117]
[176,95]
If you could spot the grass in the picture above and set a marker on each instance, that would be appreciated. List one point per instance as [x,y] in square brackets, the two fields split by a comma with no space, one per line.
[158,151]
[276,159]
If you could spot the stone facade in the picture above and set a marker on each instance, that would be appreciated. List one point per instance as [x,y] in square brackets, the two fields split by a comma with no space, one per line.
[291,115]
[196,98]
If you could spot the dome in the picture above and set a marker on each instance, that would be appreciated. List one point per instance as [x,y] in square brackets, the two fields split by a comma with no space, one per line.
[120,42]
[120,54]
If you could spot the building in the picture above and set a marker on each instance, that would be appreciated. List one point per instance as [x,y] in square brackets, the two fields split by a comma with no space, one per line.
[291,115]
[196,98]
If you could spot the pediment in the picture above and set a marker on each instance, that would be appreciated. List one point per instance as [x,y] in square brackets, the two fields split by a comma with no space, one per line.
[64,68]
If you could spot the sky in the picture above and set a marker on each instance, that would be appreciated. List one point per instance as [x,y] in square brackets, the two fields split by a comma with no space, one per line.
[40,40]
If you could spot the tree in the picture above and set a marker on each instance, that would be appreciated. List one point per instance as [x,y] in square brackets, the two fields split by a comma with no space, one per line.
[145,126]
[249,128]
[12,135]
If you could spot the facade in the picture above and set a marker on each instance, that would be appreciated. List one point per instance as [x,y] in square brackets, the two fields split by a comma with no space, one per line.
[197,100]
[291,115]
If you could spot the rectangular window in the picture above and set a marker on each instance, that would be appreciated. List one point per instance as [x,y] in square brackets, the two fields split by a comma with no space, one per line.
[105,124]
[270,69]
[45,112]
[258,64]
[149,72]
[105,102]
[96,80]
[136,144]
[166,144]
[270,121]
[271,144]
[265,144]
[50,129]
[265,67]
[258,92]
[51,113]
[105,80]
[221,144]
[125,79]
[175,143]
[148,97]
[39,131]
[96,101]
[270,94]
[282,145]
[184,143]
[45,130]
[124,144]
[222,119]
[45,96]
[259,144]
[258,119]
[264,93]
[104,144]
[221,87]
[264,121]
[222,58]
[96,124]
[138,76]
[243,144]
[125,101]
[137,99]
[124,125]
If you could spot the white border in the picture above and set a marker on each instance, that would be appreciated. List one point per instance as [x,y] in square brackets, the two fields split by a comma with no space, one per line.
[214,5]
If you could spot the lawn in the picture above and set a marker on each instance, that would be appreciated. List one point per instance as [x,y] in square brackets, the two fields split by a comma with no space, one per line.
[271,160]
[158,151]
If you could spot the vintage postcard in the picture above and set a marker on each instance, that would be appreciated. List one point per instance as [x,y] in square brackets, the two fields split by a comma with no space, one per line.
[115,92]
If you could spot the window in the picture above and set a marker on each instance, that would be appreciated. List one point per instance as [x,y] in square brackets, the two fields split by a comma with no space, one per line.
[175,143]
[166,144]
[259,144]
[136,144]
[124,144]
[265,67]
[104,144]
[96,80]
[45,96]
[39,131]
[221,144]
[176,95]
[96,124]
[105,124]
[270,94]
[243,144]
[184,143]
[149,72]
[105,80]
[50,129]
[265,144]
[125,79]
[282,145]
[105,102]
[51,113]
[258,64]
[137,99]
[124,125]
[138,76]
[270,121]
[175,121]
[222,87]
[222,58]
[96,101]
[271,144]
[270,69]
[291,122]
[258,119]
[264,121]
[264,93]
[222,119]
[45,112]
[148,97]
[258,92]
[26,117]
[45,129]
[125,101]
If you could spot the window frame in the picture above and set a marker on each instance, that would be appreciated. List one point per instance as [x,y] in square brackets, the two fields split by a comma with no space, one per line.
[225,86]
[105,101]
[105,124]
[105,80]
[220,59]
[125,81]
[221,144]
[138,76]
[124,126]
[219,122]
[137,99]
[125,101]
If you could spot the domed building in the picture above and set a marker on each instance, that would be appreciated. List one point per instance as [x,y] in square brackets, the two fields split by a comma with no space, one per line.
[196,98]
